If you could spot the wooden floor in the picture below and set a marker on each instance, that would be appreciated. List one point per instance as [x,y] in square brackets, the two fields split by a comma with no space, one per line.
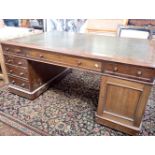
[6,130]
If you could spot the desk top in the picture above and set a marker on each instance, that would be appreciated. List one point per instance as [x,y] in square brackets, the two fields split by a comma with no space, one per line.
[124,50]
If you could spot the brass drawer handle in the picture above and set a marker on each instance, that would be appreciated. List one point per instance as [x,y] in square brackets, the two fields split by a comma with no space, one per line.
[96,65]
[115,69]
[21,74]
[19,63]
[23,84]
[139,73]
[79,62]
[13,82]
[41,56]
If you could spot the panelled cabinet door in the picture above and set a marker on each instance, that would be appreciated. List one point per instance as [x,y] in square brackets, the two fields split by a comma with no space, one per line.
[122,103]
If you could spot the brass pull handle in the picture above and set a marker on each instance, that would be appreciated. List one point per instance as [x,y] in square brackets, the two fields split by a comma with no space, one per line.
[11,71]
[115,69]
[41,56]
[79,62]
[96,65]
[21,74]
[19,63]
[23,85]
[139,73]
[13,82]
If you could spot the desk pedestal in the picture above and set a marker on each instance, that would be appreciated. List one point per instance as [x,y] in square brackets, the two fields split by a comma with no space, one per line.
[39,77]
[122,103]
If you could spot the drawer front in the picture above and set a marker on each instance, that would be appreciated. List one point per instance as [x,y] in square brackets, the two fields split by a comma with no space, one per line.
[15,61]
[18,71]
[18,82]
[65,60]
[129,70]
[13,50]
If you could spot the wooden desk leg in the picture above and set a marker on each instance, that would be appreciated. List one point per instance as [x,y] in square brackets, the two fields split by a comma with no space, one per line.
[122,104]
[41,76]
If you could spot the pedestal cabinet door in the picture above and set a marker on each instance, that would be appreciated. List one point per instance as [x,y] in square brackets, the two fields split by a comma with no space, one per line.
[122,103]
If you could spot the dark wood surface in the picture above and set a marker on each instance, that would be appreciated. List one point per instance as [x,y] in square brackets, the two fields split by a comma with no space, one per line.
[122,102]
[129,51]
[126,66]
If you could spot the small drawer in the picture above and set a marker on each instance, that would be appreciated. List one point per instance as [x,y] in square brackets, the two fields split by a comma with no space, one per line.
[18,82]
[18,71]
[13,49]
[129,70]
[15,61]
[62,59]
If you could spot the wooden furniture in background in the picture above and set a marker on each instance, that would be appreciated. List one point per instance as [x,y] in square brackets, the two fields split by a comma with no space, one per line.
[142,22]
[104,26]
[126,66]
[1,56]
[3,73]
[24,23]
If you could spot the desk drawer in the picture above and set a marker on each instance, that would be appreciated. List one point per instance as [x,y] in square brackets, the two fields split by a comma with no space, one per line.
[129,70]
[18,82]
[65,60]
[18,71]
[13,50]
[15,61]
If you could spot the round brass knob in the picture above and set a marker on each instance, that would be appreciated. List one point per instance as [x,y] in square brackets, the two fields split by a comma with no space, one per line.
[23,85]
[41,56]
[18,50]
[19,63]
[96,65]
[139,73]
[79,62]
[21,73]
[7,48]
[115,69]
[11,71]
[13,82]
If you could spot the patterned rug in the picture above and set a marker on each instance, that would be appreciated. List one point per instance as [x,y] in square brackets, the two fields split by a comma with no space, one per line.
[68,108]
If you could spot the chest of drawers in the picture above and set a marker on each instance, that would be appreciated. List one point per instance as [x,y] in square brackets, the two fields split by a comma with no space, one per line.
[17,69]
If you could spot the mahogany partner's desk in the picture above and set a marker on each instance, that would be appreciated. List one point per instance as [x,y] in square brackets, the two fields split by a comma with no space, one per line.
[127,67]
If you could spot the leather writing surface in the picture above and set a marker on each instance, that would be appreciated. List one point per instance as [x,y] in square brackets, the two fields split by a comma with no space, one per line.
[125,50]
